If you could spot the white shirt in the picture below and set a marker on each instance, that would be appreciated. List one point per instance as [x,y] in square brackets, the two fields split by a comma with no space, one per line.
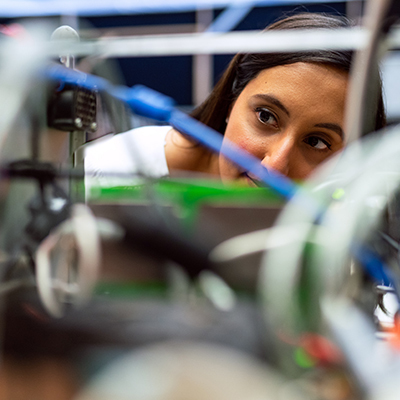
[121,159]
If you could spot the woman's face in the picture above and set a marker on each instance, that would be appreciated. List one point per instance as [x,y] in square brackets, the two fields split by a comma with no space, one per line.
[290,117]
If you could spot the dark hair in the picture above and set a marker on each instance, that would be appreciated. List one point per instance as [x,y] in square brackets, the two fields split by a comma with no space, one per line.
[245,67]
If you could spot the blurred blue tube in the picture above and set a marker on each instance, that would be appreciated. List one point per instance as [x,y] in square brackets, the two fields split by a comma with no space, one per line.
[151,104]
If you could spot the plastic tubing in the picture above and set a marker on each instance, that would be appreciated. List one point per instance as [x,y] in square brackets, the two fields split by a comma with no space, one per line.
[213,140]
[151,104]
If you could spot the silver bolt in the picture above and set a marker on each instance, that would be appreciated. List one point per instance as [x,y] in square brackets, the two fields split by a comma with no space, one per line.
[78,123]
[93,126]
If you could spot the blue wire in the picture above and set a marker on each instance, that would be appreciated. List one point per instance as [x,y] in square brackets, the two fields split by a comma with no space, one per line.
[373,265]
[90,8]
[151,104]
[213,140]
[231,17]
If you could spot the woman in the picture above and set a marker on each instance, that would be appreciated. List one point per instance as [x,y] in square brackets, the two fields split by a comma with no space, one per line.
[287,109]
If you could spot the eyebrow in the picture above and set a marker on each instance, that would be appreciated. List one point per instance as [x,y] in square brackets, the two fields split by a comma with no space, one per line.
[273,100]
[333,127]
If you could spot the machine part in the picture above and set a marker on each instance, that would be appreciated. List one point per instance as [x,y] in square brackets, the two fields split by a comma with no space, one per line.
[367,174]
[67,262]
[365,73]
[72,108]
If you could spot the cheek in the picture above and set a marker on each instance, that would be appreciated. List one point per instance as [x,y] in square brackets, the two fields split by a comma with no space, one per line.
[244,144]
[245,141]
[227,169]
[243,136]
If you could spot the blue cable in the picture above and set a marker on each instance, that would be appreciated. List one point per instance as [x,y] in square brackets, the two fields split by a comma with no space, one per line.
[213,140]
[151,104]
[40,8]
[231,17]
[373,265]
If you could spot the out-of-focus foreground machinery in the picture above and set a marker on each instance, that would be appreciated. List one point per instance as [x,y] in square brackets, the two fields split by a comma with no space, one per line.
[184,288]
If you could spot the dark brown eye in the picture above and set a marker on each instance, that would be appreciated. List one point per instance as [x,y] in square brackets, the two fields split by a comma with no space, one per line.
[266,117]
[318,143]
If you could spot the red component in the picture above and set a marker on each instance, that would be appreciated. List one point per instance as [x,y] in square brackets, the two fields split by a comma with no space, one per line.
[13,30]
[321,349]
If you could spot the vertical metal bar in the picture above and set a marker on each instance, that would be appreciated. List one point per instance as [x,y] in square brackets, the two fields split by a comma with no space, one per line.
[202,69]
[354,10]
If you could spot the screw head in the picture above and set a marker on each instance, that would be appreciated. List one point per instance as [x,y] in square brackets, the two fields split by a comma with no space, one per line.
[78,123]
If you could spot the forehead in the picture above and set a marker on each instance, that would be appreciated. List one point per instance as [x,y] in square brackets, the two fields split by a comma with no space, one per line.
[301,80]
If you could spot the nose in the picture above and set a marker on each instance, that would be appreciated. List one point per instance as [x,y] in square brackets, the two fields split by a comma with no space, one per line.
[279,156]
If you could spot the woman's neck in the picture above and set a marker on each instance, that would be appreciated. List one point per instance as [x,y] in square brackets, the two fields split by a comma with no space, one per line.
[184,154]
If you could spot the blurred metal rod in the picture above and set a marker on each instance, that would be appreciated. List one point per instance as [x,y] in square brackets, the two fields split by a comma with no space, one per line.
[29,8]
[225,43]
